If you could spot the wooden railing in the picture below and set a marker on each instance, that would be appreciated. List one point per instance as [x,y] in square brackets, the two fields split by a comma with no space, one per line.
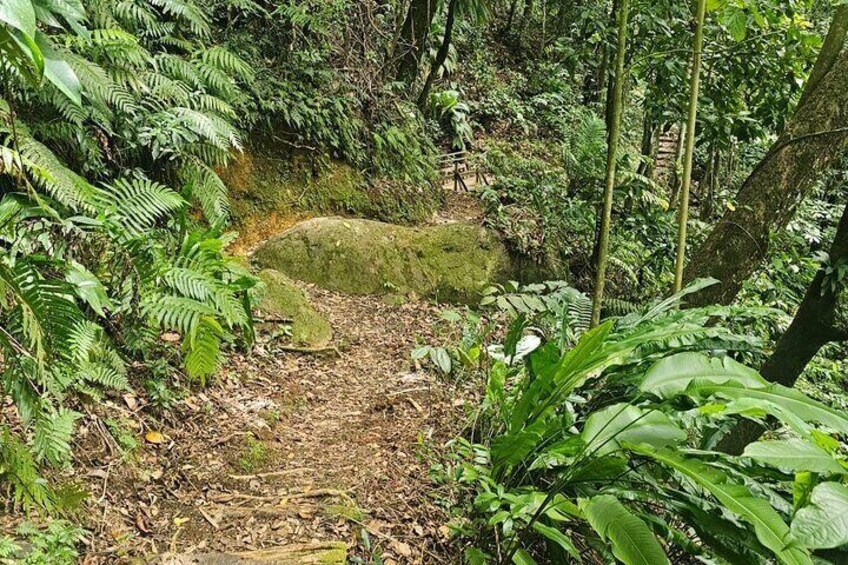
[458,165]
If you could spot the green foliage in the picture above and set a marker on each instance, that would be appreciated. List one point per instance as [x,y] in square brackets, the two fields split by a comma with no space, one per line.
[56,543]
[99,252]
[608,446]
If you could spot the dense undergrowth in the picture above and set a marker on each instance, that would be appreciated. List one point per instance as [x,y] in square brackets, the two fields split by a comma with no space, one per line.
[603,444]
[119,119]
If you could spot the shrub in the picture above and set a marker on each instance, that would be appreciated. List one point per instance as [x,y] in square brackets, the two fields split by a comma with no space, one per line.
[608,449]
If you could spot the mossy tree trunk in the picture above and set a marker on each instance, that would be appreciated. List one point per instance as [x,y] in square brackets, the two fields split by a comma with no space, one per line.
[813,141]
[613,136]
[820,320]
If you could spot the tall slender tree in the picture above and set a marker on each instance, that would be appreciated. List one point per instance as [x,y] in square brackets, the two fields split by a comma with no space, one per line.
[688,154]
[622,8]
[412,40]
[441,54]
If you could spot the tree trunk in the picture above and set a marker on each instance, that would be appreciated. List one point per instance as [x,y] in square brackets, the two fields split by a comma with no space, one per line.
[710,184]
[613,136]
[648,145]
[831,48]
[814,140]
[688,155]
[817,323]
[413,38]
[441,55]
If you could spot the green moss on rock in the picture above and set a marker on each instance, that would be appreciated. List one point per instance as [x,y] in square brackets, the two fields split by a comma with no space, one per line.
[452,262]
[268,180]
[283,299]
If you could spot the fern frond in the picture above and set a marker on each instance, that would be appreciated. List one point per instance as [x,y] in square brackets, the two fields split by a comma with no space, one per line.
[207,289]
[139,204]
[18,470]
[49,173]
[176,312]
[206,186]
[42,313]
[53,432]
[228,62]
[99,87]
[178,68]
[186,10]
[203,349]
[207,103]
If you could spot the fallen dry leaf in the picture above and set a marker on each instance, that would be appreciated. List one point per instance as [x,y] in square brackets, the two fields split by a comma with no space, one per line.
[154,437]
[401,548]
[170,337]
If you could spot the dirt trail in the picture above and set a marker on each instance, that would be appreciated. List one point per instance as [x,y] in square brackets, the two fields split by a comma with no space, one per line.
[283,447]
[286,448]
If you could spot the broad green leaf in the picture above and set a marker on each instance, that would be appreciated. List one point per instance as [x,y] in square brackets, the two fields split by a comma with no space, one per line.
[824,523]
[676,299]
[672,375]
[736,21]
[521,557]
[802,488]
[495,383]
[18,14]
[512,448]
[605,429]
[769,527]
[440,358]
[474,556]
[22,53]
[631,540]
[535,399]
[757,409]
[789,399]
[794,455]
[558,538]
[57,71]
[88,288]
[421,352]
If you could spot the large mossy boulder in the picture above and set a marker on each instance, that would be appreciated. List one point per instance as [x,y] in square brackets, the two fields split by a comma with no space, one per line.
[452,262]
[284,300]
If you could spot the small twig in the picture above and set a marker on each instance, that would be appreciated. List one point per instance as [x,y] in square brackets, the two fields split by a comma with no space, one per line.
[408,390]
[208,518]
[312,350]
[274,320]
[271,474]
[227,438]
[173,546]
